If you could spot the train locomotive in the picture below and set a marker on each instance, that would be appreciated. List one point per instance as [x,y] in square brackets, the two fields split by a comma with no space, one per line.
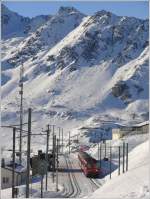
[88,164]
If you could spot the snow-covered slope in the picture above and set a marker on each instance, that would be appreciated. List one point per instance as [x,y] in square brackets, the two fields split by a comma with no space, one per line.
[45,37]
[134,183]
[88,67]
[14,25]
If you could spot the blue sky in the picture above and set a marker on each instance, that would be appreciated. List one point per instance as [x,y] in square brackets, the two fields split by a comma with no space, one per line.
[137,9]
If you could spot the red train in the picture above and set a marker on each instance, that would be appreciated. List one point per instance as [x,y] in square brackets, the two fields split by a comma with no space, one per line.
[88,165]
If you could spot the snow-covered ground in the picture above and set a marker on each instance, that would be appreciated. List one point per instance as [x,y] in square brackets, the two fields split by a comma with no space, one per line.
[80,73]
[132,184]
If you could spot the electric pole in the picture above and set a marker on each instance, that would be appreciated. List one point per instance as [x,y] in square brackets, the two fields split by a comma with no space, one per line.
[123,168]
[54,153]
[69,142]
[28,153]
[21,111]
[47,148]
[62,140]
[59,139]
[119,162]
[110,161]
[57,165]
[13,170]
[127,157]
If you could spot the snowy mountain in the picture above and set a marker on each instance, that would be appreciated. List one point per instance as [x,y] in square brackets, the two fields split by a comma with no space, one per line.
[46,36]
[14,25]
[78,68]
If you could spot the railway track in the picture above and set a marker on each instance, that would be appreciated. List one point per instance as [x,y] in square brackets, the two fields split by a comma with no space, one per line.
[95,184]
[75,188]
[75,183]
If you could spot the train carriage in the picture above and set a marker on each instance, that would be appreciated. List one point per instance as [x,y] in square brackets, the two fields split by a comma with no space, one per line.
[88,164]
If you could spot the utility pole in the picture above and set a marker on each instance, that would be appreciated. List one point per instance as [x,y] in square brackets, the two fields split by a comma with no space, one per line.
[13,170]
[42,186]
[69,142]
[59,138]
[127,157]
[21,111]
[54,153]
[123,156]
[57,165]
[100,158]
[110,161]
[47,148]
[119,162]
[62,140]
[105,148]
[98,152]
[53,130]
[28,153]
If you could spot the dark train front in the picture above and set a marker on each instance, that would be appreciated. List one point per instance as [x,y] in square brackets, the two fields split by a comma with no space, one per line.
[88,164]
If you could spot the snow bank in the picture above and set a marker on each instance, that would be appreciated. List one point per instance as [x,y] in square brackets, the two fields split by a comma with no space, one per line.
[134,183]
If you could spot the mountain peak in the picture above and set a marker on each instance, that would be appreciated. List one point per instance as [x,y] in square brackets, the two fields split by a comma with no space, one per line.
[103,12]
[67,10]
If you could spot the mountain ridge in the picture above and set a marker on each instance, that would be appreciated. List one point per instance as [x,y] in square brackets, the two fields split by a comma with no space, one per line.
[99,66]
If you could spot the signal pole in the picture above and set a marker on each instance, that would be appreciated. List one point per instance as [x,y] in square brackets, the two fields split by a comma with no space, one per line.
[21,111]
